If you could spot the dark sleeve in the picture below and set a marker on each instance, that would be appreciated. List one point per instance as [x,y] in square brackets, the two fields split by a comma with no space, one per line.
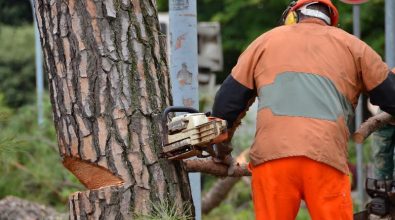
[232,101]
[383,95]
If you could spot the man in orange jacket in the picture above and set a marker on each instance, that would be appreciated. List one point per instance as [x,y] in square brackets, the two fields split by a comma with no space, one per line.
[307,76]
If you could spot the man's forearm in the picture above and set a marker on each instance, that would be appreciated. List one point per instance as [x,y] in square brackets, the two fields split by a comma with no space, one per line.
[383,95]
[231,102]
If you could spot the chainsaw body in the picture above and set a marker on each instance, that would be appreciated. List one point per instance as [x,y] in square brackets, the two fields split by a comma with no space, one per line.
[382,204]
[189,135]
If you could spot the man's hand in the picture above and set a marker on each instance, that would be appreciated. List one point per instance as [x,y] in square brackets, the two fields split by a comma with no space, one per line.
[228,161]
[222,150]
[221,138]
[223,156]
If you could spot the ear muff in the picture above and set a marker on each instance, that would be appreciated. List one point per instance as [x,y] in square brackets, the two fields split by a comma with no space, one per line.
[291,18]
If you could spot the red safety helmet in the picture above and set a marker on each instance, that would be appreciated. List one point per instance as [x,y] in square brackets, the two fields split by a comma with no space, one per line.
[333,10]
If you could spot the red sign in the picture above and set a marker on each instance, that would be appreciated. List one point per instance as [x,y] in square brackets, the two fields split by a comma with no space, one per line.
[354,2]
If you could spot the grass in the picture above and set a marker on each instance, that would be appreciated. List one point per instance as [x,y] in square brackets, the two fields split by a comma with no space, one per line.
[167,211]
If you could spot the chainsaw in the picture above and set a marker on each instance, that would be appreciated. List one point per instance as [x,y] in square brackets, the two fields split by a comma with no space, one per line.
[189,135]
[382,205]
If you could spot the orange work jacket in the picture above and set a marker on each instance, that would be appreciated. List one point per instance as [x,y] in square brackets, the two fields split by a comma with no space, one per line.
[307,77]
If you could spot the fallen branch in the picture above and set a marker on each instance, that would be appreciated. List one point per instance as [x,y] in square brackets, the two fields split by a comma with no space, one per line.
[372,124]
[210,167]
[218,193]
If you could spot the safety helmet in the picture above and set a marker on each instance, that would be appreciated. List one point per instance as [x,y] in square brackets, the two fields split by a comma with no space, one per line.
[295,6]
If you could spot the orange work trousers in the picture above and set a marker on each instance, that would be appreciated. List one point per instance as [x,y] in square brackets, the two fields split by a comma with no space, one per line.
[278,186]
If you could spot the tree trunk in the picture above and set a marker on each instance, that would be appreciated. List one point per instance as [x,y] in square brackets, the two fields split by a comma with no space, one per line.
[109,82]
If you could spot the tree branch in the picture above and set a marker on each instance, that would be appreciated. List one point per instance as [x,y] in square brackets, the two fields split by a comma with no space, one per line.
[218,193]
[210,167]
[372,124]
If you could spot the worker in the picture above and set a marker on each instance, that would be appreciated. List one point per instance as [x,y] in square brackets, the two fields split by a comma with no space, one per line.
[307,75]
[383,150]
[383,153]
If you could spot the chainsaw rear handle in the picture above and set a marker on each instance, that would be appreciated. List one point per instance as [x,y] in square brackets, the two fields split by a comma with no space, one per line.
[165,115]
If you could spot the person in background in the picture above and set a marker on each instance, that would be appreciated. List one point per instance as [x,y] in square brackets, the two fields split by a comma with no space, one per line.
[307,75]
[383,149]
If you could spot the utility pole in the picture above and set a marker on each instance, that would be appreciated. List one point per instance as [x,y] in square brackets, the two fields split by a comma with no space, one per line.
[39,70]
[358,117]
[184,69]
[390,33]
[359,110]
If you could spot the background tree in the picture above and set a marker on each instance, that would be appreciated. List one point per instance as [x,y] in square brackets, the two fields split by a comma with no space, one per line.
[109,83]
[17,64]
[15,12]
[16,52]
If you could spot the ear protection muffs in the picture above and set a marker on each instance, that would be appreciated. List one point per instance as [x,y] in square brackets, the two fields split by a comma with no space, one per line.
[289,17]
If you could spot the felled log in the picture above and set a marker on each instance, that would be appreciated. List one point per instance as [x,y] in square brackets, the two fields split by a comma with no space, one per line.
[372,124]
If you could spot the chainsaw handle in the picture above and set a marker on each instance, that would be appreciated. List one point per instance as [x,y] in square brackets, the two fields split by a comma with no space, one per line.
[164,119]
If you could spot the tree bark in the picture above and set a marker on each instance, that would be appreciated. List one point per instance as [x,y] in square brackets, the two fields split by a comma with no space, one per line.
[109,82]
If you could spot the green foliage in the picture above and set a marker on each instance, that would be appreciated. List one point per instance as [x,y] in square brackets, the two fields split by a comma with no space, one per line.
[372,27]
[237,205]
[15,12]
[30,166]
[17,77]
[366,148]
[303,214]
[163,5]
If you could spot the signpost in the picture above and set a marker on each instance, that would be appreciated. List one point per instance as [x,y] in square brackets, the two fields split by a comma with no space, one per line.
[39,70]
[184,69]
[359,110]
[390,33]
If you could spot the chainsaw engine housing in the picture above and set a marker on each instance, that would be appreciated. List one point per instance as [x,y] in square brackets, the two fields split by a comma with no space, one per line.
[191,135]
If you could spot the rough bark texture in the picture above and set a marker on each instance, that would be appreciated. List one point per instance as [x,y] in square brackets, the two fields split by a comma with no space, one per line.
[109,82]
[372,124]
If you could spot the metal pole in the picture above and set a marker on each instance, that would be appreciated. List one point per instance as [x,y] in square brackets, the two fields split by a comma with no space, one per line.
[390,33]
[358,118]
[39,70]
[184,69]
